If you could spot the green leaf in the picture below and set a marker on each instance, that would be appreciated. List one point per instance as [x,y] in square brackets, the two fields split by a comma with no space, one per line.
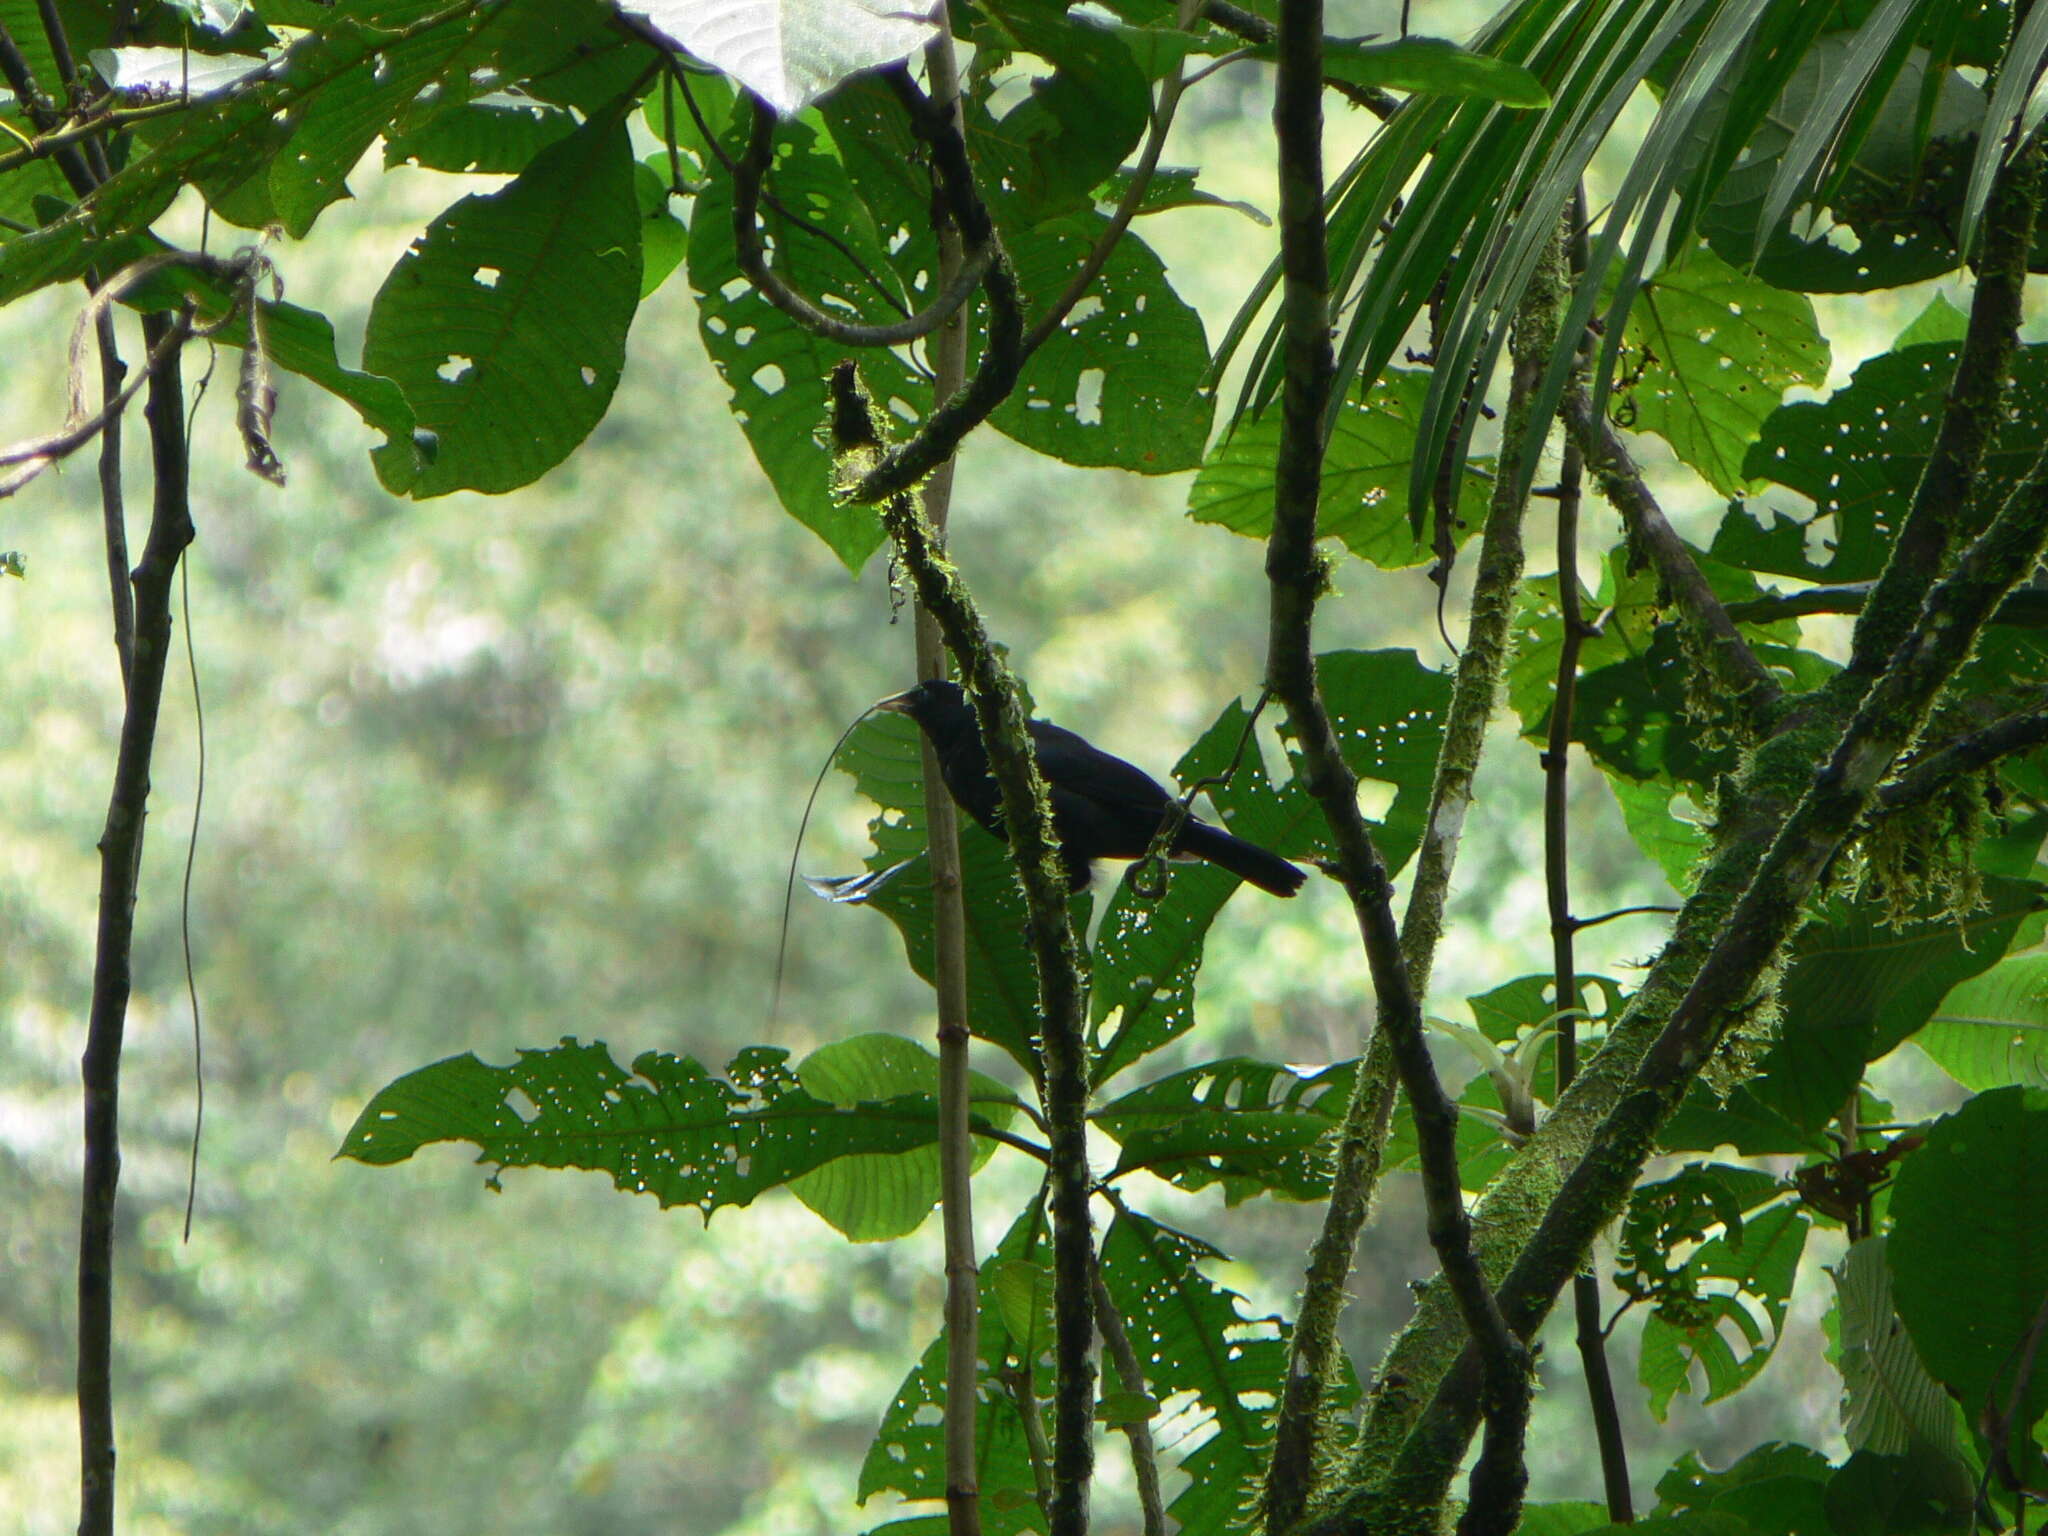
[1255,1127]
[1940,323]
[775,369]
[1568,1517]
[664,241]
[1855,988]
[876,1196]
[1691,1485]
[1969,1267]
[1118,384]
[1858,456]
[1720,349]
[1889,1402]
[481,137]
[1992,1030]
[1074,126]
[1365,477]
[907,1456]
[1173,186]
[470,52]
[1023,1296]
[505,324]
[1389,710]
[1673,842]
[668,1128]
[789,54]
[1922,1493]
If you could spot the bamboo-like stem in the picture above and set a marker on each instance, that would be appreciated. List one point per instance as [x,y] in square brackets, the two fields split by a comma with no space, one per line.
[949,927]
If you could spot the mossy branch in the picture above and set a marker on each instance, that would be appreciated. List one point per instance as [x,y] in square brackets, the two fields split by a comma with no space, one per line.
[1055,952]
[1835,798]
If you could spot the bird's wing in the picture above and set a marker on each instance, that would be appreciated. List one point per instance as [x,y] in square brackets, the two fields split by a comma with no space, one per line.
[1073,764]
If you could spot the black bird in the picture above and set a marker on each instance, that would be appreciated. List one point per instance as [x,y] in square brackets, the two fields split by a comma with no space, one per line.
[1102,806]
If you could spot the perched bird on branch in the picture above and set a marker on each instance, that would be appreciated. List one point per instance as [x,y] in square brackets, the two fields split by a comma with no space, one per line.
[1102,806]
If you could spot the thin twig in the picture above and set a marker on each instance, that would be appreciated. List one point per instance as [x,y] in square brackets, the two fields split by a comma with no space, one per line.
[1016,1379]
[1579,924]
[113,501]
[1938,767]
[1130,1377]
[949,915]
[1148,874]
[1258,31]
[955,288]
[1564,927]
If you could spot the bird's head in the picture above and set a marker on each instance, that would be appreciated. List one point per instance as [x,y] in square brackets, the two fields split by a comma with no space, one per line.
[939,707]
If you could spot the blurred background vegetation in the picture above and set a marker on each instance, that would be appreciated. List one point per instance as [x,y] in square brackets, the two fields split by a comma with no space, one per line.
[484,773]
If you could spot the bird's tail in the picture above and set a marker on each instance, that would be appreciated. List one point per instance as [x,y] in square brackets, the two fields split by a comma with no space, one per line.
[1248,861]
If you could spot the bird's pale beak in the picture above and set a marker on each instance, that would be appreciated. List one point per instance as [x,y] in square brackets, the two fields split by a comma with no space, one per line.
[897,703]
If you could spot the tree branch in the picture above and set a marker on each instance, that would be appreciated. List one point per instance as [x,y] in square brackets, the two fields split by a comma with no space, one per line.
[1255,29]
[1732,664]
[1296,579]
[1002,358]
[170,531]
[1835,799]
[1056,955]
[1940,766]
[1130,1377]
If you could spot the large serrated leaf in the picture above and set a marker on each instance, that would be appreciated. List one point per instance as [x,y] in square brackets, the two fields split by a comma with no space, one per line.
[1992,1030]
[1968,1259]
[1889,1402]
[505,324]
[908,1456]
[668,1128]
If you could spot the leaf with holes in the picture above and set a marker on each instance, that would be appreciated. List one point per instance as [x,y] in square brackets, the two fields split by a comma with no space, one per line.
[1255,1127]
[1118,385]
[1859,454]
[1365,477]
[668,1128]
[1722,1310]
[775,369]
[481,137]
[505,324]
[788,53]
[1718,349]
[1388,710]
[874,1196]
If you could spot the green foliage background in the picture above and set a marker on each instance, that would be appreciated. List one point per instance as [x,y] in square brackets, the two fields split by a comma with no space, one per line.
[495,771]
